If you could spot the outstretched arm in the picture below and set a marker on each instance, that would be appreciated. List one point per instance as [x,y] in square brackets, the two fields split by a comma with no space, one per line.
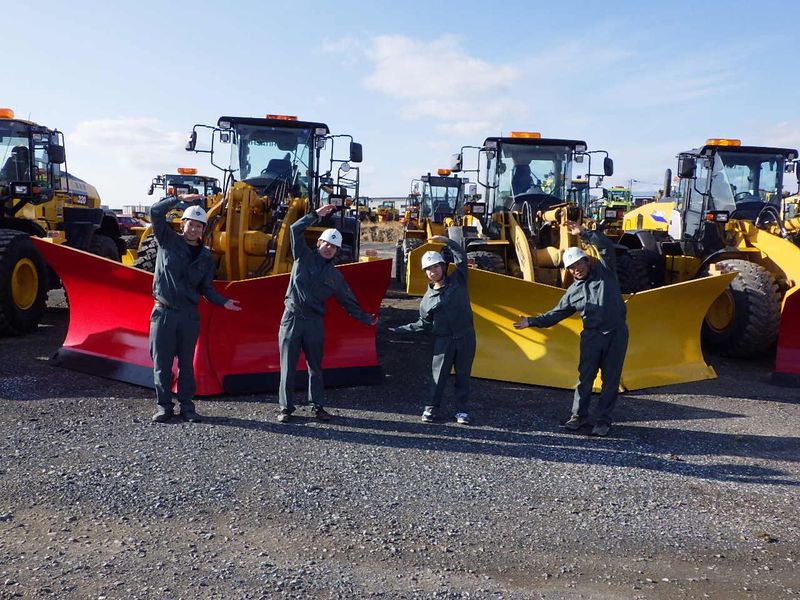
[561,311]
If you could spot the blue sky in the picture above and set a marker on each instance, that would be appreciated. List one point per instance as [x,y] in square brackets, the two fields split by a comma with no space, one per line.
[412,81]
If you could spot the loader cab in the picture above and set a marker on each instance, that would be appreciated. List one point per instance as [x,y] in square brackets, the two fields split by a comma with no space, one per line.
[442,196]
[724,180]
[30,162]
[526,171]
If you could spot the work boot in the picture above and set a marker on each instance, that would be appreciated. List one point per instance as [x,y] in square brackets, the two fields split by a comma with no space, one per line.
[322,414]
[428,416]
[575,422]
[463,419]
[284,416]
[190,415]
[600,430]
[163,414]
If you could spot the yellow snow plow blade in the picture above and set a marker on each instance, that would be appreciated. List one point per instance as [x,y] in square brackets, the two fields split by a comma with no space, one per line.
[416,281]
[663,348]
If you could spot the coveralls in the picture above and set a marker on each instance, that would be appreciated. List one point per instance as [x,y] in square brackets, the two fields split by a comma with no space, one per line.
[312,282]
[604,338]
[447,314]
[179,279]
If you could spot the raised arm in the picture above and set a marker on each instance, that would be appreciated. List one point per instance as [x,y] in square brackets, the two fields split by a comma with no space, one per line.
[158,218]
[605,248]
[459,255]
[298,228]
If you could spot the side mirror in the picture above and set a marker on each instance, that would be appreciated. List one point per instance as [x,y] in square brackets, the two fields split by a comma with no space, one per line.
[456,163]
[608,167]
[225,137]
[56,154]
[151,190]
[356,152]
[686,168]
[192,143]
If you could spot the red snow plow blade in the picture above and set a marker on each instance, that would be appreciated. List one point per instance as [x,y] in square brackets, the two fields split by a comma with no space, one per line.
[237,352]
[787,359]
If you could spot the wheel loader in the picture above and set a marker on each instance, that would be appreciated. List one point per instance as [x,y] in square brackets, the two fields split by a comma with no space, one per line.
[38,197]
[530,195]
[185,181]
[728,218]
[438,207]
[275,172]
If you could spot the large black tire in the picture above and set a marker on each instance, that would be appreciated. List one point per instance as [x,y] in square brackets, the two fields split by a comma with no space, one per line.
[23,283]
[753,302]
[146,259]
[633,272]
[104,246]
[131,241]
[487,261]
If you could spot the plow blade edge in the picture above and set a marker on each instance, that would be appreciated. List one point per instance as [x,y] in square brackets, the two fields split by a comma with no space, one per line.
[663,347]
[236,352]
[787,358]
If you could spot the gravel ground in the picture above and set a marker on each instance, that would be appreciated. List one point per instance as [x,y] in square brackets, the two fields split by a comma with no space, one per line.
[694,494]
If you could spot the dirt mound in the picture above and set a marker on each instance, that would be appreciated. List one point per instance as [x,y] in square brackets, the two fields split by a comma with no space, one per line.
[381,232]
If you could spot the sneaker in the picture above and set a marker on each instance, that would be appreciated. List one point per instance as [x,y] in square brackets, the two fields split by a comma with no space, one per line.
[284,416]
[163,414]
[600,430]
[428,416]
[190,415]
[575,422]
[322,414]
[462,419]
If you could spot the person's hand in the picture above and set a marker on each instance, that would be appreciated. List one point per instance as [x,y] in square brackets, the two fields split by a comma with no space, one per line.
[232,305]
[439,239]
[575,228]
[324,211]
[189,198]
[522,323]
[374,321]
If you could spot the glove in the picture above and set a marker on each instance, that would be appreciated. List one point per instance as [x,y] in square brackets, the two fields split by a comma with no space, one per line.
[392,329]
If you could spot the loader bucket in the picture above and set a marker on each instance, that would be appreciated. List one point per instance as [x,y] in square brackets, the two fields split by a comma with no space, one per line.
[237,352]
[787,358]
[663,347]
[416,281]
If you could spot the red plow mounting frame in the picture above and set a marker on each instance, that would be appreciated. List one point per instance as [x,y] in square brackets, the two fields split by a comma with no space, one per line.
[236,353]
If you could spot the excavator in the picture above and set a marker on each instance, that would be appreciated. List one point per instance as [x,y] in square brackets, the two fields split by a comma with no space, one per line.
[530,195]
[39,198]
[274,172]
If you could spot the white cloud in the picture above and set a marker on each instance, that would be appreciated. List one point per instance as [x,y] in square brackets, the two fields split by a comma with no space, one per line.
[121,156]
[439,79]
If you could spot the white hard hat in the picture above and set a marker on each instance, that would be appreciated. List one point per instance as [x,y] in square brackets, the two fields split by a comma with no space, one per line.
[332,236]
[431,258]
[195,213]
[572,255]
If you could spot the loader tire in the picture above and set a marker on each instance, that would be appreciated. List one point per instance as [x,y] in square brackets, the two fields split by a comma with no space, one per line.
[23,283]
[743,322]
[146,259]
[104,246]
[633,272]
[487,261]
[131,241]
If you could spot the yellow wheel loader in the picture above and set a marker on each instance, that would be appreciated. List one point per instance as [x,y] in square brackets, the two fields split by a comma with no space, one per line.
[531,195]
[185,181]
[40,198]
[728,218]
[439,207]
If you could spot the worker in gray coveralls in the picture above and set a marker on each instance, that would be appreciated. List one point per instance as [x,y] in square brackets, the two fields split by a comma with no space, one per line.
[314,279]
[184,271]
[595,295]
[445,311]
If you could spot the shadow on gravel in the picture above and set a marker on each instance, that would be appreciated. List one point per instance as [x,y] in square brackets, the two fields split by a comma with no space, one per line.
[620,450]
